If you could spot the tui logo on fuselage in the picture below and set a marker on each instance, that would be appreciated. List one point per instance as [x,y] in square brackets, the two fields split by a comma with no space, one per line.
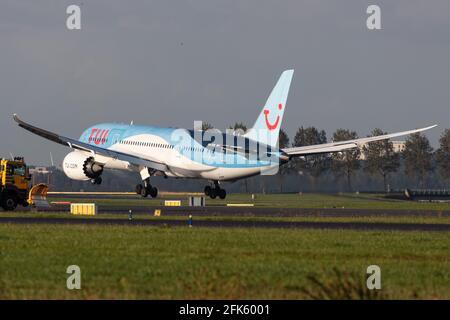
[98,136]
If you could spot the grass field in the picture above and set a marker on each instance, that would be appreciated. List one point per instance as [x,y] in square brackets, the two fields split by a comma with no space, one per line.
[193,263]
[306,200]
[126,262]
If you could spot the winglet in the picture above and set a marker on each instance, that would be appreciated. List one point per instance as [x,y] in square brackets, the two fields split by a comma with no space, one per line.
[430,127]
[420,130]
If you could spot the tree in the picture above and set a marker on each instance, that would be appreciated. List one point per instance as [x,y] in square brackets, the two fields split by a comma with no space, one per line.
[418,158]
[443,155]
[283,139]
[206,126]
[309,136]
[380,157]
[345,163]
[239,128]
[283,142]
[314,165]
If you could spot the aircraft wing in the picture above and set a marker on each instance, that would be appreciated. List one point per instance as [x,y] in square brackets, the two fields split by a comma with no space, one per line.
[345,145]
[75,144]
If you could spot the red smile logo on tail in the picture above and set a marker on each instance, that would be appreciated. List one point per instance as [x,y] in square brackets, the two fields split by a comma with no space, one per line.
[268,124]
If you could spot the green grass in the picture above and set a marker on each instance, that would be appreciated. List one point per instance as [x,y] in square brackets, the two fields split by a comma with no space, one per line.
[123,262]
[194,263]
[306,200]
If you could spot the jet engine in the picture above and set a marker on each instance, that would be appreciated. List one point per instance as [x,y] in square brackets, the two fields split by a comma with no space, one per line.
[80,166]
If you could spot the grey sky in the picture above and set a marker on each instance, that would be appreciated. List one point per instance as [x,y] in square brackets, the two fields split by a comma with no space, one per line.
[169,63]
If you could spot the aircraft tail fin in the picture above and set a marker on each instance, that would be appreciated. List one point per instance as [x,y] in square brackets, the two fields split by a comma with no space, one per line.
[267,127]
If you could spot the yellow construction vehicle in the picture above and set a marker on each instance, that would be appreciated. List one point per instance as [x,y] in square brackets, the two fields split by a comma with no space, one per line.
[14,186]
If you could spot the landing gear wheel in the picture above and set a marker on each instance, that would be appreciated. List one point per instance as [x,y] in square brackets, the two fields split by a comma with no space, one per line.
[222,193]
[213,193]
[207,191]
[144,192]
[9,202]
[153,192]
[97,180]
[138,188]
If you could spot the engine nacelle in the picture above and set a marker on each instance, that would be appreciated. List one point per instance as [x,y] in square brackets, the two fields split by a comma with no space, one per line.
[78,166]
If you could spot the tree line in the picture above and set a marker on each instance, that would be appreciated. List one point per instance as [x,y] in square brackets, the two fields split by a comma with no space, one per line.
[380,159]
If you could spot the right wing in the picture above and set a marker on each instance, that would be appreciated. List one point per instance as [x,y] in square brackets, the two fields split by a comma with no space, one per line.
[345,145]
[75,144]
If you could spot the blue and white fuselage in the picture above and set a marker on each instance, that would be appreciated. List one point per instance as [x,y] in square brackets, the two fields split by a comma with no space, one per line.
[186,153]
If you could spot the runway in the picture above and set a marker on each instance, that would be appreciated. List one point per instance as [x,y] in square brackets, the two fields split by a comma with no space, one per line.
[202,216]
[261,211]
[362,226]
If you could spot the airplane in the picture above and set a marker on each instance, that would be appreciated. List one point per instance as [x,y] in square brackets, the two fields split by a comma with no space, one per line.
[184,153]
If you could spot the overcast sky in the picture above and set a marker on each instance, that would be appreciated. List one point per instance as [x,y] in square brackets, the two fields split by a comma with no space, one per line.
[169,63]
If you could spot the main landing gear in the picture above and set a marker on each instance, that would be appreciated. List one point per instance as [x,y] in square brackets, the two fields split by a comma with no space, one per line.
[147,189]
[215,191]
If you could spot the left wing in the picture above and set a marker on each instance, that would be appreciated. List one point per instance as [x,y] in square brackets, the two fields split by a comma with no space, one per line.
[345,145]
[75,144]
